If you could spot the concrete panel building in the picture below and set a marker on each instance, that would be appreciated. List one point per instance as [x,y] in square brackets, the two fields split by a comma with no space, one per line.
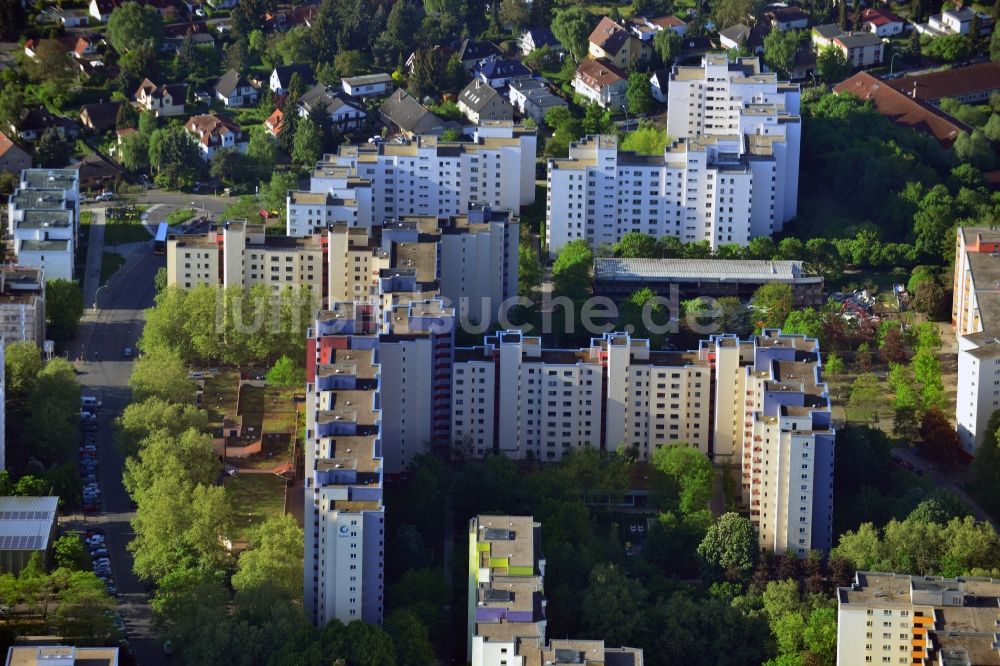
[61,655]
[976,319]
[507,606]
[43,220]
[758,403]
[730,175]
[885,618]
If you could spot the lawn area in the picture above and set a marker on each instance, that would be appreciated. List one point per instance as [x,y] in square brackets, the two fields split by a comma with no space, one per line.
[110,262]
[251,408]
[279,409]
[118,233]
[255,498]
[86,217]
[180,215]
[220,397]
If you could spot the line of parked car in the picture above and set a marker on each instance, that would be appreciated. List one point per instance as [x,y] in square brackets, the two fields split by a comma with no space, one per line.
[88,453]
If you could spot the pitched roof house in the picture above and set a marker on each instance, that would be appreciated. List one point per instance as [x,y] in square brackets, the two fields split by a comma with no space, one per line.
[166,100]
[13,157]
[498,72]
[601,82]
[281,77]
[343,111]
[474,50]
[234,90]
[479,101]
[401,111]
[101,116]
[213,133]
[616,44]
[972,84]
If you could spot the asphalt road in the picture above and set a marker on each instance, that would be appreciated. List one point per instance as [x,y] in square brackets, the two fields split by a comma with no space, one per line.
[104,372]
[208,205]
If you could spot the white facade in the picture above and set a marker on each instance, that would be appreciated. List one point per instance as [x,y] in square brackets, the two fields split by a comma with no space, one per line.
[731,174]
[886,618]
[976,318]
[769,412]
[3,408]
[429,177]
[43,220]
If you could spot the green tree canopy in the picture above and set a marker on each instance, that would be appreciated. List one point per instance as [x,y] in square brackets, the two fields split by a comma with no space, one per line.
[729,548]
[132,25]
[572,28]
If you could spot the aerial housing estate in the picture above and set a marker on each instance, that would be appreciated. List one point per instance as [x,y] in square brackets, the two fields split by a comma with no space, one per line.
[730,174]
[507,602]
[43,220]
[976,317]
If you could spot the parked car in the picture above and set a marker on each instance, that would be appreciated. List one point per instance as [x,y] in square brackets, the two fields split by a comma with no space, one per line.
[128,352]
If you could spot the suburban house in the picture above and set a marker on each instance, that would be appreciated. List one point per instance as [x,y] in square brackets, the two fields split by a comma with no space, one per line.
[862,49]
[442,52]
[973,84]
[954,22]
[343,111]
[474,50]
[274,122]
[235,91]
[101,116]
[78,47]
[881,22]
[601,82]
[536,38]
[617,45]
[36,120]
[403,114]
[97,173]
[101,9]
[902,109]
[13,157]
[498,72]
[281,77]
[213,133]
[658,84]
[70,18]
[173,44]
[533,99]
[823,35]
[787,18]
[660,23]
[368,85]
[743,36]
[479,101]
[165,100]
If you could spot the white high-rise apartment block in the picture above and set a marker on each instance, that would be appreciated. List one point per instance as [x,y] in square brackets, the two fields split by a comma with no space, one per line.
[885,618]
[731,173]
[423,176]
[377,389]
[772,410]
[344,516]
[759,403]
[43,220]
[976,318]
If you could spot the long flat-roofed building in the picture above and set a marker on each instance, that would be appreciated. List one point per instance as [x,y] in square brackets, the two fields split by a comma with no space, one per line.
[619,278]
[61,655]
[886,618]
[506,612]
[43,220]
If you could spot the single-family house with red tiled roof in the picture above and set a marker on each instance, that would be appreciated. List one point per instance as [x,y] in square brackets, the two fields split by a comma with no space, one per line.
[601,82]
[213,133]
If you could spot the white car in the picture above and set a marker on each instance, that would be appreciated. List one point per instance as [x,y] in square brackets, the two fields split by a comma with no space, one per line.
[198,11]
